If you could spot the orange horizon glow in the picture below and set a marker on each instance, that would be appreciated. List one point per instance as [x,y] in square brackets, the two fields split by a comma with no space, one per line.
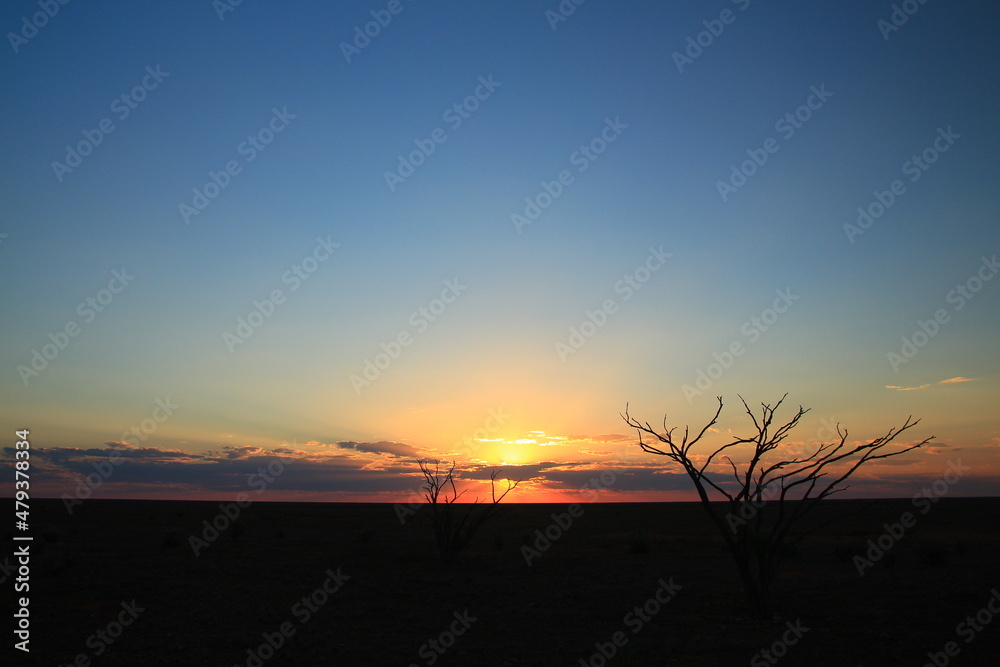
[553,469]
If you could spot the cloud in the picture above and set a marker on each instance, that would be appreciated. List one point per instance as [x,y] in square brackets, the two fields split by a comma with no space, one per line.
[940,447]
[612,437]
[119,449]
[346,466]
[234,452]
[397,449]
[930,384]
[370,470]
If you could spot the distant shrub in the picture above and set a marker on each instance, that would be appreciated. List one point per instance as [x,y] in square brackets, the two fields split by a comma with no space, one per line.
[454,528]
[239,527]
[638,542]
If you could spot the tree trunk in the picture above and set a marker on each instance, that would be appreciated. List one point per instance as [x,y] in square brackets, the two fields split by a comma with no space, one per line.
[756,584]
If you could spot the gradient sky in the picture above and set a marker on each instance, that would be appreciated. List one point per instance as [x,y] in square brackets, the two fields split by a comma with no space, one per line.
[487,367]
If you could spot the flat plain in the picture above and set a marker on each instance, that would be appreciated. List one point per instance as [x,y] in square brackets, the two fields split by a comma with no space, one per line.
[397,604]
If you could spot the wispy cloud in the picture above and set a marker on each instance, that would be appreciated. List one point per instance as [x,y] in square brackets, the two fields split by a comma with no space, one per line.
[929,384]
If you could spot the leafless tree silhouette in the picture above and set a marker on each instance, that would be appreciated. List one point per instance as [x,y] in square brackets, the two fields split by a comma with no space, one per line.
[454,528]
[759,511]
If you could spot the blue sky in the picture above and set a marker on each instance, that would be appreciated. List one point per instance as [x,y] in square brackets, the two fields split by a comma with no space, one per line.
[656,185]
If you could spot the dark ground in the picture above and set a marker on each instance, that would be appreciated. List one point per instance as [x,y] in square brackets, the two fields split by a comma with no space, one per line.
[210,609]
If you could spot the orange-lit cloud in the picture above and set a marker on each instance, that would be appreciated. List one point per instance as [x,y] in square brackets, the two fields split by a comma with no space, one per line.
[930,384]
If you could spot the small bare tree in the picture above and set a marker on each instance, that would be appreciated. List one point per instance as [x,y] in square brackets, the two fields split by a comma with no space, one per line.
[767,498]
[454,529]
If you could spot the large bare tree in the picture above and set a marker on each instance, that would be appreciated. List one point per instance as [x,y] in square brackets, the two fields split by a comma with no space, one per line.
[769,493]
[454,528]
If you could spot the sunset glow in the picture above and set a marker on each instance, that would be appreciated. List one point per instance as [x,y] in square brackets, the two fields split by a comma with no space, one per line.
[342,263]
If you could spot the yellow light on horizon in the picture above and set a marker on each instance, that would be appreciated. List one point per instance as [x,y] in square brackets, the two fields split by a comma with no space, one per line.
[513,453]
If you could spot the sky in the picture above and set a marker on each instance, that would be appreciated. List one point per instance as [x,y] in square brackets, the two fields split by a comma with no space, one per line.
[328,240]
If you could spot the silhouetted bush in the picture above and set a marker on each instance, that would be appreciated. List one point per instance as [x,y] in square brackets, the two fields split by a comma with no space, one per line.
[638,543]
[454,528]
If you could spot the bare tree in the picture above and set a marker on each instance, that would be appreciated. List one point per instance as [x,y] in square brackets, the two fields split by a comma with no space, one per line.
[454,529]
[766,500]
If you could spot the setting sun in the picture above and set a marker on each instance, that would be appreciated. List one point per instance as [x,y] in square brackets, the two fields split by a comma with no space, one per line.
[515,452]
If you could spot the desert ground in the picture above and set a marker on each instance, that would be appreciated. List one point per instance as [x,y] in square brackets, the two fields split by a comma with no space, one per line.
[118,583]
